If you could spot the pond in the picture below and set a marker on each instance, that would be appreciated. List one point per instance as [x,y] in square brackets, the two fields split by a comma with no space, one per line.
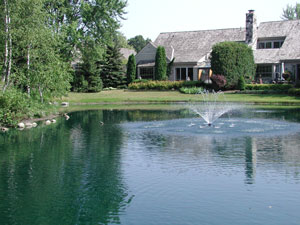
[154,167]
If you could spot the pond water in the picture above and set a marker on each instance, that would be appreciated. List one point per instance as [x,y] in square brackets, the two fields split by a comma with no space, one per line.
[153,167]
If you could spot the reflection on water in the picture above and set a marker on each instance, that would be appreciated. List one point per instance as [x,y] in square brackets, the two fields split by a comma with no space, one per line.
[81,172]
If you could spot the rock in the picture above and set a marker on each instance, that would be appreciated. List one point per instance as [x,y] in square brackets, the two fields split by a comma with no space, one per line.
[28,125]
[4,129]
[65,104]
[53,121]
[21,125]
[101,123]
[34,124]
[66,116]
[48,122]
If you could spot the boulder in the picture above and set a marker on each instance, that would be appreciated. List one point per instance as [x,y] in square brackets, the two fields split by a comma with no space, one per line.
[48,122]
[4,129]
[53,121]
[21,125]
[34,124]
[28,125]
[65,104]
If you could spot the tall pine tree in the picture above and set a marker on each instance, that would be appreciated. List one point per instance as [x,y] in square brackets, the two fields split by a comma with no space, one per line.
[131,69]
[160,64]
[112,73]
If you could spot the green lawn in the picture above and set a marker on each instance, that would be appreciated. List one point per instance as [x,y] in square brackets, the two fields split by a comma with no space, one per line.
[131,97]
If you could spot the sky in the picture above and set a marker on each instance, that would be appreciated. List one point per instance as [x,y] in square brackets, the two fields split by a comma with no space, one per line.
[151,17]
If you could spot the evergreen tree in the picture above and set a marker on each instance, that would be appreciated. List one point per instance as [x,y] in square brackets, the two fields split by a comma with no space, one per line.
[112,73]
[160,64]
[131,69]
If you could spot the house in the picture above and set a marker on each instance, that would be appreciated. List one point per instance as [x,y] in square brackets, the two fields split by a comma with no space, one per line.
[276,49]
[126,52]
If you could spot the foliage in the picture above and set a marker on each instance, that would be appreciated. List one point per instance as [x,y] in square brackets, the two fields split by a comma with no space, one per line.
[191,90]
[138,42]
[131,69]
[241,83]
[112,73]
[291,12]
[13,105]
[163,85]
[294,91]
[233,60]
[282,87]
[160,64]
[140,81]
[219,81]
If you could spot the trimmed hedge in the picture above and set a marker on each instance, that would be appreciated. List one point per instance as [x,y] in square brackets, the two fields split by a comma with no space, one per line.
[163,85]
[294,91]
[190,90]
[265,87]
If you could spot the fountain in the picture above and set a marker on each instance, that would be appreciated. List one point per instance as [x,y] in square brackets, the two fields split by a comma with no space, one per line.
[212,109]
[214,105]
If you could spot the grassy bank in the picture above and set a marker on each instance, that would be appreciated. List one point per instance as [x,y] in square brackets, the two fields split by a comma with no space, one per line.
[130,97]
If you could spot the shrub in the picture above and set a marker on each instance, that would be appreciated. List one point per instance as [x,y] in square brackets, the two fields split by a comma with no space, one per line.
[163,85]
[219,81]
[274,87]
[190,90]
[241,83]
[160,64]
[131,69]
[294,91]
[14,105]
[232,59]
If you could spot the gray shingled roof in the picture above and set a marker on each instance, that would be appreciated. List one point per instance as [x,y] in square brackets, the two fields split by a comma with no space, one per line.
[290,49]
[195,46]
[191,46]
[126,52]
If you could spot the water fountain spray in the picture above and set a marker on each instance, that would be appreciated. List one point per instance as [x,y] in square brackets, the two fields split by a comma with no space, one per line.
[214,105]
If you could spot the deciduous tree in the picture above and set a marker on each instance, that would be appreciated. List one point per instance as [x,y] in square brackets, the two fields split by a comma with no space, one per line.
[291,12]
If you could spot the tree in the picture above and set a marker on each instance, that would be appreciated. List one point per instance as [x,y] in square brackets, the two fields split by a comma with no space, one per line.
[291,12]
[232,60]
[160,64]
[112,73]
[131,69]
[138,42]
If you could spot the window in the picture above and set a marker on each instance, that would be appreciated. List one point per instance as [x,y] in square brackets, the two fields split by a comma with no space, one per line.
[264,71]
[146,72]
[269,44]
[184,73]
[190,73]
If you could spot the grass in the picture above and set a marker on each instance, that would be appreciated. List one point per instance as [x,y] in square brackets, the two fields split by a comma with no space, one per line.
[132,97]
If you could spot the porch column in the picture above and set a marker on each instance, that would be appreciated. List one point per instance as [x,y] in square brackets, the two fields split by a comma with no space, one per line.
[282,70]
[273,72]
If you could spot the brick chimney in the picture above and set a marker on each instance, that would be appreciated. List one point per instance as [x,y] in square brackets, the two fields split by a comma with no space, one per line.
[251,29]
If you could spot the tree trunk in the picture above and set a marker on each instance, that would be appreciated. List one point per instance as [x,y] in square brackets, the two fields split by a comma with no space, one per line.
[28,68]
[6,42]
[8,70]
[41,94]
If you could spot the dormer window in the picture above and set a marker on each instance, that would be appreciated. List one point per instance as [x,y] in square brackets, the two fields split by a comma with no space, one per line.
[270,43]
